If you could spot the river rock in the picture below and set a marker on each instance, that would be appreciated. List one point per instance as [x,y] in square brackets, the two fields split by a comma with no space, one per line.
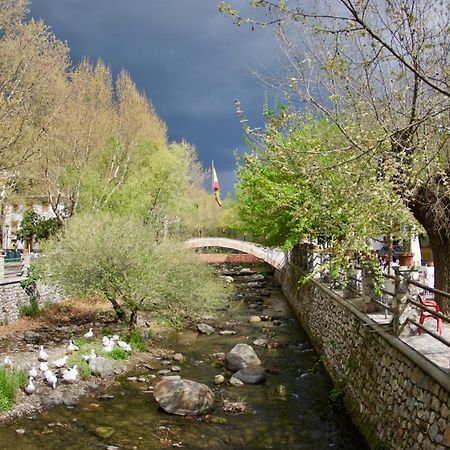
[246,271]
[257,277]
[227,279]
[55,398]
[260,342]
[103,367]
[240,356]
[205,329]
[32,337]
[236,382]
[104,432]
[254,319]
[69,400]
[178,357]
[219,379]
[251,375]
[183,397]
[227,332]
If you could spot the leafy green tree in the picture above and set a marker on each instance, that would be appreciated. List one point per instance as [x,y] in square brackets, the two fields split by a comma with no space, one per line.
[294,185]
[34,226]
[379,71]
[120,259]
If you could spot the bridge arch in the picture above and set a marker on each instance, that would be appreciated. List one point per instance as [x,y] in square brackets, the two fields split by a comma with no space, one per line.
[271,255]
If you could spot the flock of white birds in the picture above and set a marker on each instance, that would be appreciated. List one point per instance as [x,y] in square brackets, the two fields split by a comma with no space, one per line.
[61,372]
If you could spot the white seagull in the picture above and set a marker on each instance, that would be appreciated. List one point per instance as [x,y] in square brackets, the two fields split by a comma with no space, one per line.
[43,355]
[51,379]
[72,347]
[71,374]
[33,372]
[29,388]
[59,363]
[89,334]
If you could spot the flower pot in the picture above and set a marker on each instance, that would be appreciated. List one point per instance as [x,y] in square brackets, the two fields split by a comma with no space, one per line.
[406,259]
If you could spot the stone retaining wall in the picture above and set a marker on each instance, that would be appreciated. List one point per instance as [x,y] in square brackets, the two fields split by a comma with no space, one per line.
[13,297]
[397,398]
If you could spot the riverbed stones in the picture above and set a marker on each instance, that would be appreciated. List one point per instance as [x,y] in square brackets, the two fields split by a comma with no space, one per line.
[240,356]
[236,382]
[32,337]
[227,279]
[205,328]
[251,375]
[178,357]
[227,332]
[102,367]
[254,319]
[260,342]
[183,397]
[104,432]
[219,379]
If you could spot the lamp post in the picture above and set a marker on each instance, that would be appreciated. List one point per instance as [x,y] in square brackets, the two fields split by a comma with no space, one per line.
[6,236]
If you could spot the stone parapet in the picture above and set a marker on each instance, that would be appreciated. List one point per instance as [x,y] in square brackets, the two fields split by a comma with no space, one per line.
[397,398]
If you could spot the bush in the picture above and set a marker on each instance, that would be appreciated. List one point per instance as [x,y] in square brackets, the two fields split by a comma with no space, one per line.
[136,341]
[31,310]
[121,259]
[117,353]
[10,381]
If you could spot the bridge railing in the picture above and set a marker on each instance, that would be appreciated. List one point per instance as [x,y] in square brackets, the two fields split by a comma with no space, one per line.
[394,294]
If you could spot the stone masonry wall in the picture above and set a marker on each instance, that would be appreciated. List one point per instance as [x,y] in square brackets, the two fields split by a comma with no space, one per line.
[397,398]
[13,296]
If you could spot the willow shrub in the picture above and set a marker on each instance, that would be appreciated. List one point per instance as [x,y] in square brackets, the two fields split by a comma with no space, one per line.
[121,259]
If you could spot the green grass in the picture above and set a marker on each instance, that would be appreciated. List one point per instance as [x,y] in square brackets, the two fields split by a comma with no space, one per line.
[118,353]
[136,341]
[10,381]
[31,310]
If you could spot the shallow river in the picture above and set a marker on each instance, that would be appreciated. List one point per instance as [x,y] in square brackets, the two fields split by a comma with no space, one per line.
[291,410]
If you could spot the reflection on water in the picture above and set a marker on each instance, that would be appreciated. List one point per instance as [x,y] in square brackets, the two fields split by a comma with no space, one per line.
[292,410]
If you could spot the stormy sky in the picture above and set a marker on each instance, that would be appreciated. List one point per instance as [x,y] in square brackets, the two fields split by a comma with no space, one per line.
[190,60]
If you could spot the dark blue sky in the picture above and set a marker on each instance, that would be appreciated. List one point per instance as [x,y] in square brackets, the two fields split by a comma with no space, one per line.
[189,59]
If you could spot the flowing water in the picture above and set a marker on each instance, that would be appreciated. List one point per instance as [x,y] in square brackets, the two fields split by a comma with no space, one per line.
[291,410]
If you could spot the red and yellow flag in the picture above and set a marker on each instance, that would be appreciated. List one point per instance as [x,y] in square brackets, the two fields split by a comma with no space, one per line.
[216,185]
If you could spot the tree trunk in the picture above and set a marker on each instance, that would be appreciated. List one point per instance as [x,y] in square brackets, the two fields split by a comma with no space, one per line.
[441,256]
[431,211]
[133,320]
[120,313]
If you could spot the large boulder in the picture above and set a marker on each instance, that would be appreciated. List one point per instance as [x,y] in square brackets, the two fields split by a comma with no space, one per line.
[183,397]
[103,367]
[205,328]
[251,375]
[240,356]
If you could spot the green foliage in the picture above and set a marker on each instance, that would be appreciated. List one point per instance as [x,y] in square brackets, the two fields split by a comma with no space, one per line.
[136,341]
[106,331]
[295,185]
[10,381]
[118,353]
[121,259]
[34,226]
[30,310]
[336,394]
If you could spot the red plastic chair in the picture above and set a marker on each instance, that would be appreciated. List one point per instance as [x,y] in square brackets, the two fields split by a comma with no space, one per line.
[430,304]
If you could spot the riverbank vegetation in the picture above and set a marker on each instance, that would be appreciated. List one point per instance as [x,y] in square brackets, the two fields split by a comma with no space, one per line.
[375,75]
[94,149]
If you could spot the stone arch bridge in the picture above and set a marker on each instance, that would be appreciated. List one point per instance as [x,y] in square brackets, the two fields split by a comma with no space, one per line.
[271,255]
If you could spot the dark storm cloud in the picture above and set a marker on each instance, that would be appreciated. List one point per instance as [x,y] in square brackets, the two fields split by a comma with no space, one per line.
[190,60]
